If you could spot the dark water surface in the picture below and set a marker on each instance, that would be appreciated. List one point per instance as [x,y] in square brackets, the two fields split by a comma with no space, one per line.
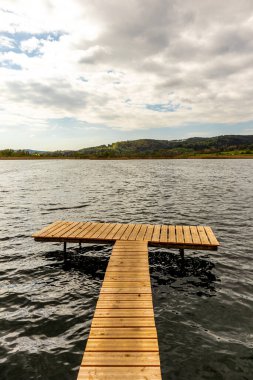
[203,311]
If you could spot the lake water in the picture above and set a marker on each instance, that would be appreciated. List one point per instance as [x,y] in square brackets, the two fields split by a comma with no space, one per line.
[203,311]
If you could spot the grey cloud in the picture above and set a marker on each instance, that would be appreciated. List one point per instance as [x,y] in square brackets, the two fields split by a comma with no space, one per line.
[95,55]
[233,40]
[58,94]
[191,86]
[220,69]
[134,29]
[177,30]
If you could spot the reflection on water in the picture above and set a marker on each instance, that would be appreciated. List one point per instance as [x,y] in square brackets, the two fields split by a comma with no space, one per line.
[191,273]
[203,305]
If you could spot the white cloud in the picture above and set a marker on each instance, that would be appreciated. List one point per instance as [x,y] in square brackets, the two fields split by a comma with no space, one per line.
[193,53]
[31,44]
[7,42]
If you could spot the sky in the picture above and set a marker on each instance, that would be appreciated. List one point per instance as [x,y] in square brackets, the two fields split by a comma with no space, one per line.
[82,73]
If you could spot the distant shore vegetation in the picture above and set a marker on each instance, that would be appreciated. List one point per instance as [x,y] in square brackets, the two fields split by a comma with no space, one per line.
[229,146]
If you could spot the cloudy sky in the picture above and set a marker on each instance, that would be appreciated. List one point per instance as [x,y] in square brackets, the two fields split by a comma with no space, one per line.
[82,73]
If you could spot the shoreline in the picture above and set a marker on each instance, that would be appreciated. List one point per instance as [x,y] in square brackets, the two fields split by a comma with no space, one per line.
[211,157]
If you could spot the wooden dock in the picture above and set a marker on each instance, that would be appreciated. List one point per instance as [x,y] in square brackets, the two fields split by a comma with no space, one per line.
[191,237]
[122,343]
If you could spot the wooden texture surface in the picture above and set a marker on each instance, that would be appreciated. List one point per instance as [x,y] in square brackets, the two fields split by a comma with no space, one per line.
[122,343]
[192,237]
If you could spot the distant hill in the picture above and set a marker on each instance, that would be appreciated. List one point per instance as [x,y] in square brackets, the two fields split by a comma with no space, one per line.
[220,146]
[173,148]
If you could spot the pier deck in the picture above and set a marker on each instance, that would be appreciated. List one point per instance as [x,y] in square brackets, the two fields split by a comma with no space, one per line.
[122,343]
[191,237]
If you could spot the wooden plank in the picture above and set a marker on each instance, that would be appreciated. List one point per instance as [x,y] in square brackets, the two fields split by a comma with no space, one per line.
[123,290]
[187,235]
[211,236]
[125,297]
[149,233]
[123,313]
[72,230]
[203,236]
[127,249]
[130,243]
[120,359]
[126,284]
[123,322]
[94,230]
[156,234]
[81,229]
[123,332]
[164,234]
[126,281]
[127,232]
[179,235]
[128,266]
[66,230]
[100,231]
[126,276]
[44,230]
[134,232]
[122,373]
[129,255]
[127,252]
[125,264]
[122,345]
[113,231]
[172,234]
[106,232]
[56,228]
[142,232]
[61,230]
[112,304]
[59,227]
[114,269]
[85,231]
[123,269]
[130,248]
[128,258]
[195,235]
[120,232]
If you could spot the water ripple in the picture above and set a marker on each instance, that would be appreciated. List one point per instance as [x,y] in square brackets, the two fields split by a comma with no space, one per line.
[203,306]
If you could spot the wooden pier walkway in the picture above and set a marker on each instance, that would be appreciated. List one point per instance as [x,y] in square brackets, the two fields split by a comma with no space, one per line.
[122,343]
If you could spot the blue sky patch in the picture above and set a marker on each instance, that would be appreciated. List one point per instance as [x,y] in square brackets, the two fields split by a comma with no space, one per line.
[10,65]
[14,40]
[163,107]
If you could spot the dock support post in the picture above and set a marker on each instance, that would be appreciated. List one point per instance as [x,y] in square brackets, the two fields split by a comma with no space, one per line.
[80,245]
[181,251]
[65,252]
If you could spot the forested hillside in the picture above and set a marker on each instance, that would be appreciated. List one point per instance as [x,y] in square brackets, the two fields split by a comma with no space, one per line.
[220,146]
